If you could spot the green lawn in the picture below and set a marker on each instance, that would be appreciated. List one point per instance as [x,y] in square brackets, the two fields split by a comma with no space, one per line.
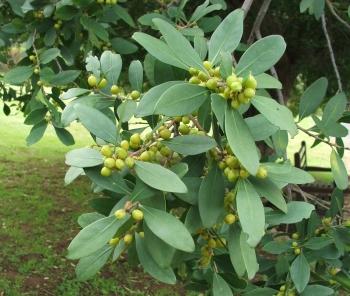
[38,218]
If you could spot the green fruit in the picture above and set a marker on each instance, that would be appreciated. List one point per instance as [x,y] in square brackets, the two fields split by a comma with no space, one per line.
[185,119]
[262,172]
[135,139]
[232,161]
[105,172]
[212,243]
[235,86]
[235,104]
[165,134]
[217,72]
[103,83]
[36,71]
[249,93]
[135,94]
[92,81]
[32,58]
[120,214]
[40,83]
[230,79]
[184,129]
[137,215]
[130,162]
[119,164]
[106,151]
[193,71]
[207,65]
[122,153]
[297,251]
[250,82]
[115,89]
[109,163]
[295,235]
[243,174]
[165,151]
[57,26]
[145,156]
[232,175]
[128,238]
[294,244]
[211,84]
[203,76]
[230,219]
[194,80]
[124,144]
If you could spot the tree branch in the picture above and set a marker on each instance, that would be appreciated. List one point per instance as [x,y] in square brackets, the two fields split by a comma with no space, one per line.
[331,52]
[336,15]
[259,19]
[246,6]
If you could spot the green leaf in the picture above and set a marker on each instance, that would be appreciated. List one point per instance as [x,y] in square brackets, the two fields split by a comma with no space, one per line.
[48,55]
[161,252]
[317,290]
[97,123]
[180,169]
[84,157]
[90,265]
[136,75]
[126,110]
[36,133]
[250,212]
[159,177]
[235,252]
[220,287]
[169,229]
[111,65]
[241,140]
[179,45]
[71,174]
[249,256]
[190,144]
[165,275]
[123,46]
[119,249]
[339,172]
[218,105]
[227,35]
[65,136]
[151,98]
[317,243]
[226,64]
[334,109]
[266,188]
[200,46]
[123,14]
[312,97]
[267,81]
[64,77]
[261,55]
[94,236]
[159,50]
[260,127]
[35,116]
[73,93]
[300,272]
[193,185]
[296,212]
[94,28]
[114,183]
[276,114]
[193,220]
[211,197]
[181,99]
[203,10]
[277,247]
[18,75]
[88,218]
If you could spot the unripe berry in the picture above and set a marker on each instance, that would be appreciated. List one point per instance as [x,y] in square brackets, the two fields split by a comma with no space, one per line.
[40,83]
[165,134]
[36,70]
[128,238]
[243,173]
[235,86]
[103,83]
[211,84]
[56,26]
[203,76]
[193,71]
[242,98]
[115,89]
[282,288]
[230,79]
[165,151]
[194,80]
[232,161]
[297,251]
[249,93]
[185,119]
[124,144]
[92,80]
[106,151]
[119,164]
[141,234]
[114,241]
[135,94]
[207,65]
[135,139]
[212,243]
[262,172]
[109,163]
[217,71]
[295,235]
[145,156]
[122,153]
[294,244]
[250,82]
[230,219]
[32,58]
[108,1]
[222,165]
[137,215]
[333,271]
[105,172]
[184,129]
[130,162]
[119,214]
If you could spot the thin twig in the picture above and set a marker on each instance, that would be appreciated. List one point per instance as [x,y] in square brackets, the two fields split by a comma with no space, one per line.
[259,19]
[337,16]
[246,6]
[196,123]
[320,139]
[331,52]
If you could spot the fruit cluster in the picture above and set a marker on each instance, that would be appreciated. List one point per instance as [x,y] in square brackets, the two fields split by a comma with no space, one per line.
[237,90]
[58,24]
[230,217]
[186,125]
[110,2]
[285,291]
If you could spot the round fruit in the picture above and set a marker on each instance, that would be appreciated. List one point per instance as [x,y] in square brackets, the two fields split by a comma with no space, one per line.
[115,89]
[92,80]
[106,151]
[217,71]
[333,271]
[249,93]
[231,175]
[32,58]
[193,71]
[124,144]
[103,83]
[282,288]
[211,84]
[243,174]
[207,65]
[106,172]
[250,82]
[119,164]
[295,235]
[56,26]
[135,139]
[202,76]
[212,243]
[194,80]
[141,234]
[135,94]
[137,215]
[109,163]
[122,153]
[145,156]
[262,173]
[114,241]
[235,104]
[130,162]
[235,86]
[294,244]
[120,214]
[185,119]
[36,71]
[297,251]
[165,151]
[40,83]
[184,129]
[230,219]
[128,239]
[165,134]
[232,161]
[222,165]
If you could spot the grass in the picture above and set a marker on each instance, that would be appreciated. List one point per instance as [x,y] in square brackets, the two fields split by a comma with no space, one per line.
[38,219]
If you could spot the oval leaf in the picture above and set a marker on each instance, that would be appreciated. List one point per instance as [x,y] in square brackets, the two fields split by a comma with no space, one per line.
[190,144]
[84,157]
[339,171]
